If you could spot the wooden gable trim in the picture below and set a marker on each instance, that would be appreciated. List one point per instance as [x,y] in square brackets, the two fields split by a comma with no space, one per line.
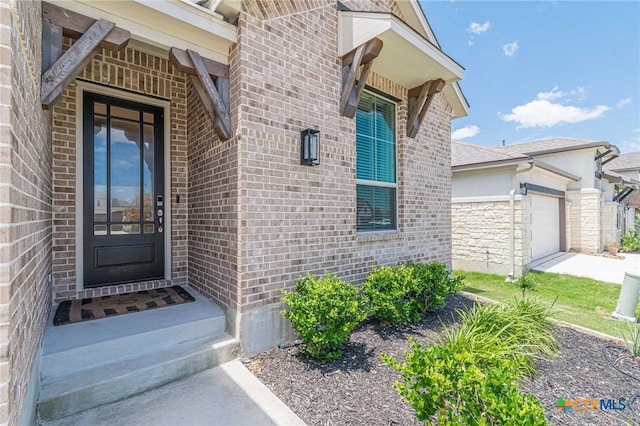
[214,94]
[420,98]
[352,89]
[60,68]
[74,25]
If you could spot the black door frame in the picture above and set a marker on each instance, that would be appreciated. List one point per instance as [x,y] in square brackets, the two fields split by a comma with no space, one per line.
[85,160]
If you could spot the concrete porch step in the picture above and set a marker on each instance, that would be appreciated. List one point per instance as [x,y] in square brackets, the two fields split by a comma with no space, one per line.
[88,364]
[75,392]
[87,356]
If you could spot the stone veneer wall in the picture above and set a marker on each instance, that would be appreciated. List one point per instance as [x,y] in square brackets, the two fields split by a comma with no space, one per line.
[295,219]
[25,212]
[144,74]
[480,233]
[586,207]
[609,221]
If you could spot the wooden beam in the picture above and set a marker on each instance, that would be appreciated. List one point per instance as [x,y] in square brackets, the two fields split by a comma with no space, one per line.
[371,51]
[69,65]
[74,25]
[417,98]
[349,79]
[352,90]
[356,93]
[222,85]
[204,97]
[51,44]
[209,90]
[181,60]
[418,106]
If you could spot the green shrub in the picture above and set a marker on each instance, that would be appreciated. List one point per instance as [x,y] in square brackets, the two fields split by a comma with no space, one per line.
[323,311]
[630,242]
[435,283]
[392,293]
[526,282]
[450,388]
[632,341]
[519,331]
[470,376]
[402,293]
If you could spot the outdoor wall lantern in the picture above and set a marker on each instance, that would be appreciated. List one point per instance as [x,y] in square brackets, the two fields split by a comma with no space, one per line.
[310,147]
[523,188]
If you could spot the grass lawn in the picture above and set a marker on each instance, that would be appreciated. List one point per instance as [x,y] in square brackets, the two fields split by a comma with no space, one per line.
[581,301]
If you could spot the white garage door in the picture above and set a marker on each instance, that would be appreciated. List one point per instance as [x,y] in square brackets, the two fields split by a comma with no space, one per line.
[545,226]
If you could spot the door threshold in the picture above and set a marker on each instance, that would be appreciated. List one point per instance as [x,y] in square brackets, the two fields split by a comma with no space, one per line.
[109,290]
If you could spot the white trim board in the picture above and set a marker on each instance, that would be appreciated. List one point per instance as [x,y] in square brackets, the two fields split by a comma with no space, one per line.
[84,86]
[487,199]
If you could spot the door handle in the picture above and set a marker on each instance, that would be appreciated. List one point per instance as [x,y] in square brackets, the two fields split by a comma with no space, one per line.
[160,214]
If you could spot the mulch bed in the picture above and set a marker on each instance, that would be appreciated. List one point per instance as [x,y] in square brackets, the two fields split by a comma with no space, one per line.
[356,389]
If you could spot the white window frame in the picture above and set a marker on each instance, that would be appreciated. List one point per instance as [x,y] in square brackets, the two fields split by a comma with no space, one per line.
[383,184]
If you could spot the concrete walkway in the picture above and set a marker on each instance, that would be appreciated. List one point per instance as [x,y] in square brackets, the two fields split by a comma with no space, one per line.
[597,267]
[226,395]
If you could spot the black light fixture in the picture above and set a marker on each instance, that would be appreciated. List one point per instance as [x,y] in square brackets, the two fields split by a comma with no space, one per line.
[523,188]
[310,147]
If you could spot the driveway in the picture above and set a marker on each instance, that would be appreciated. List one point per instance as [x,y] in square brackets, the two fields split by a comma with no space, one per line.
[597,267]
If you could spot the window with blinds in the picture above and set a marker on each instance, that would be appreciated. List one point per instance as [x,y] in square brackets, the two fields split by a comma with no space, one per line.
[376,164]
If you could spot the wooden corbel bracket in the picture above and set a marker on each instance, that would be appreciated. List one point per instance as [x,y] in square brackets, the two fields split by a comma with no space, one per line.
[352,89]
[419,100]
[214,94]
[60,68]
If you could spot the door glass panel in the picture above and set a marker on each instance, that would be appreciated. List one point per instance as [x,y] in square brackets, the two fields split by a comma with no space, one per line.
[125,171]
[129,114]
[100,109]
[147,172]
[148,228]
[148,117]
[99,169]
[100,230]
[125,228]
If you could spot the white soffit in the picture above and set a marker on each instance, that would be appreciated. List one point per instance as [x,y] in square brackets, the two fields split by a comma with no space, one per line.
[164,24]
[406,58]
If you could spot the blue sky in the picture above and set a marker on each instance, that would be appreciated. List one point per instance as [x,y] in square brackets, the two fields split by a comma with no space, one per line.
[544,69]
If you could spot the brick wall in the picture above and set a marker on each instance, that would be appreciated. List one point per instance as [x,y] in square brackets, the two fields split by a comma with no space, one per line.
[295,219]
[213,207]
[138,72]
[480,233]
[25,191]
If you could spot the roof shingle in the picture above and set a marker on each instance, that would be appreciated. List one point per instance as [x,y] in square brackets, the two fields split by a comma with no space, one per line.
[624,161]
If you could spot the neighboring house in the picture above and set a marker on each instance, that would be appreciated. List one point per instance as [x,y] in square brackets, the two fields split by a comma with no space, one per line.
[625,171]
[170,133]
[514,205]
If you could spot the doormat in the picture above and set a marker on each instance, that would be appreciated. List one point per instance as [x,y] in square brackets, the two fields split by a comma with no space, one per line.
[71,311]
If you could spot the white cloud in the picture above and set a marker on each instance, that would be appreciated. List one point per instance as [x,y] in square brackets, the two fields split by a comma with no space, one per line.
[543,113]
[510,49]
[579,92]
[465,132]
[629,145]
[623,102]
[477,29]
[547,111]
[554,93]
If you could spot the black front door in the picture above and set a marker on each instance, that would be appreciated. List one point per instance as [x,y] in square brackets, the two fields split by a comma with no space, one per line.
[123,191]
